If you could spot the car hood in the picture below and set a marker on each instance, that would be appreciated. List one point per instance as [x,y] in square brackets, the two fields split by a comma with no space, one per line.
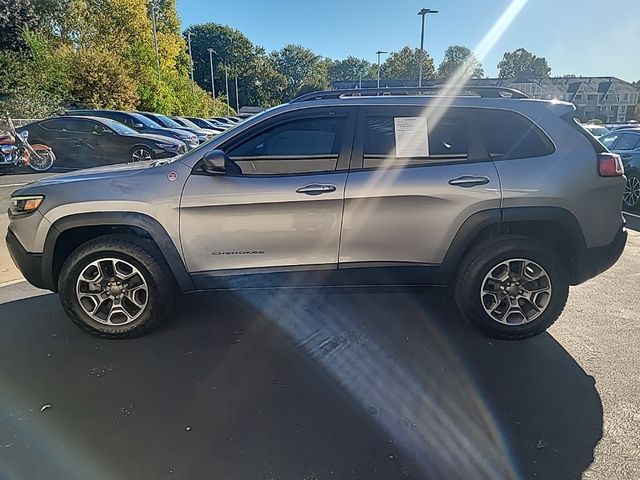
[180,132]
[157,138]
[98,173]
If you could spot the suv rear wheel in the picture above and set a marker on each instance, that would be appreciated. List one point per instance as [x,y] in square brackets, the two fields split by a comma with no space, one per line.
[116,287]
[511,288]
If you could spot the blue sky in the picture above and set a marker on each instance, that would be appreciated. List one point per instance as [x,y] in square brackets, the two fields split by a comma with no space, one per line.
[582,37]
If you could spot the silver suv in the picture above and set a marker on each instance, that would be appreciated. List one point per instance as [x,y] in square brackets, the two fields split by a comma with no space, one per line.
[506,199]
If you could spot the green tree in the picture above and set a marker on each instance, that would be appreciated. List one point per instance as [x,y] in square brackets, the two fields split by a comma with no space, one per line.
[258,82]
[521,62]
[16,16]
[351,68]
[303,70]
[460,59]
[405,65]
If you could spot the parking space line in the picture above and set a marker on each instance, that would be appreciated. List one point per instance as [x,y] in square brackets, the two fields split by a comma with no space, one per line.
[632,214]
[13,185]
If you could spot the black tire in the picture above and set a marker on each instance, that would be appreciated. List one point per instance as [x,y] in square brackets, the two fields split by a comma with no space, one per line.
[633,179]
[139,253]
[480,260]
[135,152]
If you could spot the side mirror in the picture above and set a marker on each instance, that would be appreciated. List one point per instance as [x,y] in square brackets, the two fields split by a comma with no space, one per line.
[215,161]
[138,125]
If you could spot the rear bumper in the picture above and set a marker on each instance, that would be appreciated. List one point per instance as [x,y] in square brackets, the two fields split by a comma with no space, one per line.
[594,261]
[29,264]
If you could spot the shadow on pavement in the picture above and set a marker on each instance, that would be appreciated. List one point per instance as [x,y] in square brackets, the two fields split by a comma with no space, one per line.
[292,384]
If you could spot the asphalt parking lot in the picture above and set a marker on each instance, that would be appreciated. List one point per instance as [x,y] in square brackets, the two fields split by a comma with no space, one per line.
[313,384]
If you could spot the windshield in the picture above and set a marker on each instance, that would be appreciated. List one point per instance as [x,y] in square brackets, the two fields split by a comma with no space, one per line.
[169,122]
[119,127]
[187,122]
[147,122]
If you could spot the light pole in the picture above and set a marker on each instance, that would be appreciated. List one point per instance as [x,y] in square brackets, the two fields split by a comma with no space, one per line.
[190,61]
[379,52]
[155,35]
[423,13]
[237,97]
[213,87]
[226,83]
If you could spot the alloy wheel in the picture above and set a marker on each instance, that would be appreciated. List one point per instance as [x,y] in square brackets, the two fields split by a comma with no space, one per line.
[632,191]
[141,155]
[112,291]
[516,291]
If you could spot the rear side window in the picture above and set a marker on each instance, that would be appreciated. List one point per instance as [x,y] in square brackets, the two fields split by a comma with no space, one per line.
[577,126]
[447,139]
[509,135]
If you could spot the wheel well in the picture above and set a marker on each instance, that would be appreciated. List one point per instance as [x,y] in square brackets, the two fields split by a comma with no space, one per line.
[552,235]
[72,238]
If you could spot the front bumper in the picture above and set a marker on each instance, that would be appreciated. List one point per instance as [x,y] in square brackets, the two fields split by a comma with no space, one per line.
[29,264]
[594,261]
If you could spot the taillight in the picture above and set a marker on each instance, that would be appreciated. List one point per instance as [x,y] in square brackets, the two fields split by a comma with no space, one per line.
[610,165]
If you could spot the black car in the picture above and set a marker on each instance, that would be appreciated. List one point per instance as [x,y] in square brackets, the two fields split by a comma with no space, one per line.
[202,123]
[81,142]
[626,143]
[202,134]
[141,124]
[186,122]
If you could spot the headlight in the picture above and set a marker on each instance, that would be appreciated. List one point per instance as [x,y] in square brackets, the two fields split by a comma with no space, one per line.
[23,205]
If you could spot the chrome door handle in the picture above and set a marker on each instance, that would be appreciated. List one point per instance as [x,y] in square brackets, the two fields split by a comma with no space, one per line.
[467,181]
[316,189]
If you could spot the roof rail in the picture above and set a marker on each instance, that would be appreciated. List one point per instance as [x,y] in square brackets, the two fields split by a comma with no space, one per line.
[431,90]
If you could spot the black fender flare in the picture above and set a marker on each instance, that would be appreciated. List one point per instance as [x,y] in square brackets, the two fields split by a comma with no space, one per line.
[500,218]
[118,219]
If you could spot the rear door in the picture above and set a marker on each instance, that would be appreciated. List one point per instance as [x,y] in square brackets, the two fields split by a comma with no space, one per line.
[63,140]
[417,174]
[281,209]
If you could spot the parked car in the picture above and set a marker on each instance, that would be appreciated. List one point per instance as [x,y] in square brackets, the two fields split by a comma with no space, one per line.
[208,123]
[141,124]
[225,121]
[507,200]
[626,143]
[81,141]
[596,130]
[185,122]
[202,134]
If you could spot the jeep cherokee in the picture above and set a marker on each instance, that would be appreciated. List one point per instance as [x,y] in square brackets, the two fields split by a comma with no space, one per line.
[505,198]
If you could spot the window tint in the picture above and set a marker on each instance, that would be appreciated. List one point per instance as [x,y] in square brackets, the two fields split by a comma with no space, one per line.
[69,125]
[297,146]
[509,135]
[448,139]
[628,141]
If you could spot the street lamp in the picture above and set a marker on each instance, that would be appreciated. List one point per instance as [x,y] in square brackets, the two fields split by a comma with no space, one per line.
[213,87]
[154,8]
[189,34]
[423,13]
[379,52]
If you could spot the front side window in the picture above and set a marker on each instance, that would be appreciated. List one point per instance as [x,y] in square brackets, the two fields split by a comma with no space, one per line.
[399,140]
[297,146]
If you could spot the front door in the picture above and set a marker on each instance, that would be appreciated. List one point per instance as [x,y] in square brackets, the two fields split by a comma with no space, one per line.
[279,208]
[417,174]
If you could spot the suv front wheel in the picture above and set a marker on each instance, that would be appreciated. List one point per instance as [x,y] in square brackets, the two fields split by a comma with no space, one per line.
[116,287]
[511,288]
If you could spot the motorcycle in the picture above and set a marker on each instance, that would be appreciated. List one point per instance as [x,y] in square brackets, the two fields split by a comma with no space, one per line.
[15,150]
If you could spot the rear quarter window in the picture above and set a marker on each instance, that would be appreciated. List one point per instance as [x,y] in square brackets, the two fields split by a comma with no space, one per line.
[510,135]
